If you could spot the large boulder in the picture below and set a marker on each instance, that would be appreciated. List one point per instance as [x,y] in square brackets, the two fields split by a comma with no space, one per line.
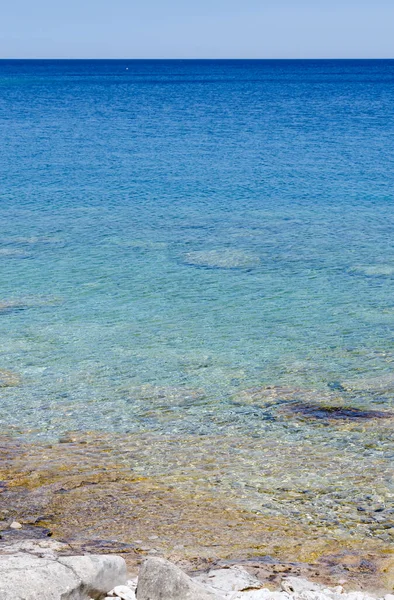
[30,577]
[161,580]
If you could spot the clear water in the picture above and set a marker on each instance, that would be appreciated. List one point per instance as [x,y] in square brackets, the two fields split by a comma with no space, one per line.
[176,232]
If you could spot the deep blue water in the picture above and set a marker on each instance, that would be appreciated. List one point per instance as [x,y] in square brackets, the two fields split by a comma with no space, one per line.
[175,232]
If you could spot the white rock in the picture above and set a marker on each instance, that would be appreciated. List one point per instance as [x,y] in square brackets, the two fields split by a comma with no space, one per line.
[29,577]
[124,592]
[389,597]
[357,596]
[132,583]
[161,580]
[299,584]
[98,572]
[233,579]
[23,577]
[262,594]
[15,525]
[312,595]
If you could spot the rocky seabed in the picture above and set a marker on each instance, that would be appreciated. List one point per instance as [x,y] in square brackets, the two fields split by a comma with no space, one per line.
[34,570]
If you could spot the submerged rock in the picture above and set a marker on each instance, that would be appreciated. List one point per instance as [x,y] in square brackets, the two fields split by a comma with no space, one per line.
[13,253]
[222,259]
[335,412]
[266,395]
[374,270]
[329,405]
[20,304]
[166,395]
[7,306]
[9,379]
[379,384]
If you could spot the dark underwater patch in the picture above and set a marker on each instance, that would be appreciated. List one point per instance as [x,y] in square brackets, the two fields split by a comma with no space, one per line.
[320,412]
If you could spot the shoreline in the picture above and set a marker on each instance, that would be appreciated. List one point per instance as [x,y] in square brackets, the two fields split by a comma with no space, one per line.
[46,568]
[84,493]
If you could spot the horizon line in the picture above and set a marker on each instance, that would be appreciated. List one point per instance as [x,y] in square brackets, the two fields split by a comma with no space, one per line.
[194,58]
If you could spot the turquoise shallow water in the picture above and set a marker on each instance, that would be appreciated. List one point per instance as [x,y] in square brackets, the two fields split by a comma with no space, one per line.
[176,232]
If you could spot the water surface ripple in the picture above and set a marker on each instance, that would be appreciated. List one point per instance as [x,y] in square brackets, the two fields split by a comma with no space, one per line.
[204,248]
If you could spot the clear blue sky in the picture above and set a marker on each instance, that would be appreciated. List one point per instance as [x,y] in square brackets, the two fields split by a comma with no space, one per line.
[199,29]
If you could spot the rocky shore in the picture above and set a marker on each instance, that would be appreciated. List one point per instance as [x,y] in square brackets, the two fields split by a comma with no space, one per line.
[154,519]
[41,570]
[139,496]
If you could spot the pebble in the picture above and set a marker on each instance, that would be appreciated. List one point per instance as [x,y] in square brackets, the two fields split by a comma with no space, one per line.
[15,525]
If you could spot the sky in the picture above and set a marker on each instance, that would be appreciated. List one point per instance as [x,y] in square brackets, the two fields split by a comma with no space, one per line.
[199,29]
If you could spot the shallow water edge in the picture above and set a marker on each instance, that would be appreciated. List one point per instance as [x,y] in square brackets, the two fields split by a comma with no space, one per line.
[146,494]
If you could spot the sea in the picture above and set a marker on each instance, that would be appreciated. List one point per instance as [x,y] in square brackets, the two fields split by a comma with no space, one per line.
[203,249]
